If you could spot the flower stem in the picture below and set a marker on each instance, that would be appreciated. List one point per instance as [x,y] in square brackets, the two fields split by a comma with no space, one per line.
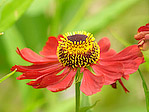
[77,89]
[146,91]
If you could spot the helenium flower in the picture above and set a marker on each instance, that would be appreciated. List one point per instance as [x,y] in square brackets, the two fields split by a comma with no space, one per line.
[57,64]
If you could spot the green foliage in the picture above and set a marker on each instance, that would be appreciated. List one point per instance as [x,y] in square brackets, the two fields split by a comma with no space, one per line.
[86,108]
[29,23]
[146,90]
[85,103]
[12,11]
[106,16]
[7,76]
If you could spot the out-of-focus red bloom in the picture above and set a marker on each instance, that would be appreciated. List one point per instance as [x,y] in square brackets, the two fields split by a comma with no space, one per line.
[67,53]
[143,37]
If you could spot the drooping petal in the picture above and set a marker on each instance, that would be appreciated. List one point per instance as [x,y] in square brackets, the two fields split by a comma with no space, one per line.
[105,50]
[131,66]
[131,57]
[126,76]
[33,74]
[114,85]
[128,53]
[104,44]
[91,83]
[109,53]
[50,48]
[126,90]
[65,82]
[82,69]
[48,79]
[30,56]
[33,67]
[110,72]
[29,75]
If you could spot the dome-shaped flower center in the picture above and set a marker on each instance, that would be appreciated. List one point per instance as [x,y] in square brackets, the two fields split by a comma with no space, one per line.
[78,49]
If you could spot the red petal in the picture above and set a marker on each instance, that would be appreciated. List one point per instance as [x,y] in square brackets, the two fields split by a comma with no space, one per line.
[34,83]
[126,90]
[59,36]
[82,69]
[91,83]
[29,75]
[32,57]
[144,28]
[65,82]
[32,67]
[47,79]
[105,50]
[126,77]
[33,74]
[50,48]
[131,66]
[110,72]
[109,53]
[131,57]
[104,44]
[128,53]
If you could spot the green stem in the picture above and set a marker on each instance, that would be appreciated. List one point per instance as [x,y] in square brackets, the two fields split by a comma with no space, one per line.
[146,91]
[77,89]
[7,76]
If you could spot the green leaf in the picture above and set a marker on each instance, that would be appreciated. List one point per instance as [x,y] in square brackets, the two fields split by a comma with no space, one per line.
[81,10]
[106,16]
[13,39]
[42,5]
[146,91]
[120,39]
[85,102]
[7,76]
[146,54]
[12,11]
[61,106]
[85,109]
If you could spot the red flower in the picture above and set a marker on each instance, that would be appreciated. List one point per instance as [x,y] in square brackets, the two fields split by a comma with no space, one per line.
[143,37]
[56,68]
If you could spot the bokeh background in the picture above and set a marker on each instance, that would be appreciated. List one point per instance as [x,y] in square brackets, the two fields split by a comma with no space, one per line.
[29,23]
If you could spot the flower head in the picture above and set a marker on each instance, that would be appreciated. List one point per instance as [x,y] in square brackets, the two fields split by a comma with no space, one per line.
[143,37]
[62,56]
[78,49]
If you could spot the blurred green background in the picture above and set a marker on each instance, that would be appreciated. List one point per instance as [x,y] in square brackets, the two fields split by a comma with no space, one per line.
[29,23]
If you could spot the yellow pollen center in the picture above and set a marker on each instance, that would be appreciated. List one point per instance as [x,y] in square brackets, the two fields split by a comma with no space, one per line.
[78,49]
